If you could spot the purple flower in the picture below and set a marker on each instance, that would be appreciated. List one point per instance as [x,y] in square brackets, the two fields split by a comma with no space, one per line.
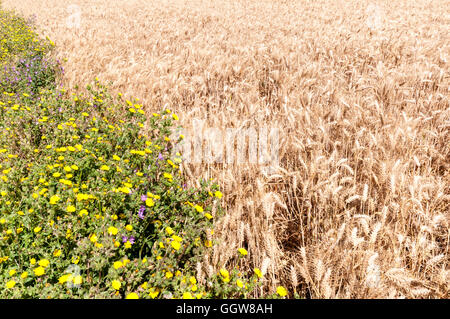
[131,239]
[141,212]
[160,157]
[143,198]
[124,239]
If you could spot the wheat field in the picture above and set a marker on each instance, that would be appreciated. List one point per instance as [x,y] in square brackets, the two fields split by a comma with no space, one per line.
[360,204]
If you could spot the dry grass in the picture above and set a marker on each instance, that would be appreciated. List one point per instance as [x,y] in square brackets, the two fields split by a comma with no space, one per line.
[360,207]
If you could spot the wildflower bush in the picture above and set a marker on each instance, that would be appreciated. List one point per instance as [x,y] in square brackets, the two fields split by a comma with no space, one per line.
[29,74]
[24,65]
[90,206]
[80,187]
[18,39]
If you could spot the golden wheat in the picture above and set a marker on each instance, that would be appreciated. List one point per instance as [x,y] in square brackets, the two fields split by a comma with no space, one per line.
[360,206]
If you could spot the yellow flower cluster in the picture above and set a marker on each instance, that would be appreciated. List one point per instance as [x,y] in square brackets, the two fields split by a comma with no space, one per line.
[18,38]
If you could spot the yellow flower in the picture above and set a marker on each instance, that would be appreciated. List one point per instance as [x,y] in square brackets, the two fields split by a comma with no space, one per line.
[167,175]
[113,230]
[24,275]
[116,284]
[77,280]
[149,202]
[153,293]
[39,271]
[281,291]
[198,208]
[12,272]
[208,243]
[10,284]
[218,194]
[169,230]
[208,215]
[132,295]
[224,273]
[169,275]
[258,272]
[127,245]
[65,278]
[93,238]
[243,251]
[239,283]
[37,229]
[129,227]
[57,253]
[32,261]
[177,238]
[124,190]
[43,262]
[104,168]
[176,245]
[54,199]
[71,209]
[117,264]
[187,295]
[83,212]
